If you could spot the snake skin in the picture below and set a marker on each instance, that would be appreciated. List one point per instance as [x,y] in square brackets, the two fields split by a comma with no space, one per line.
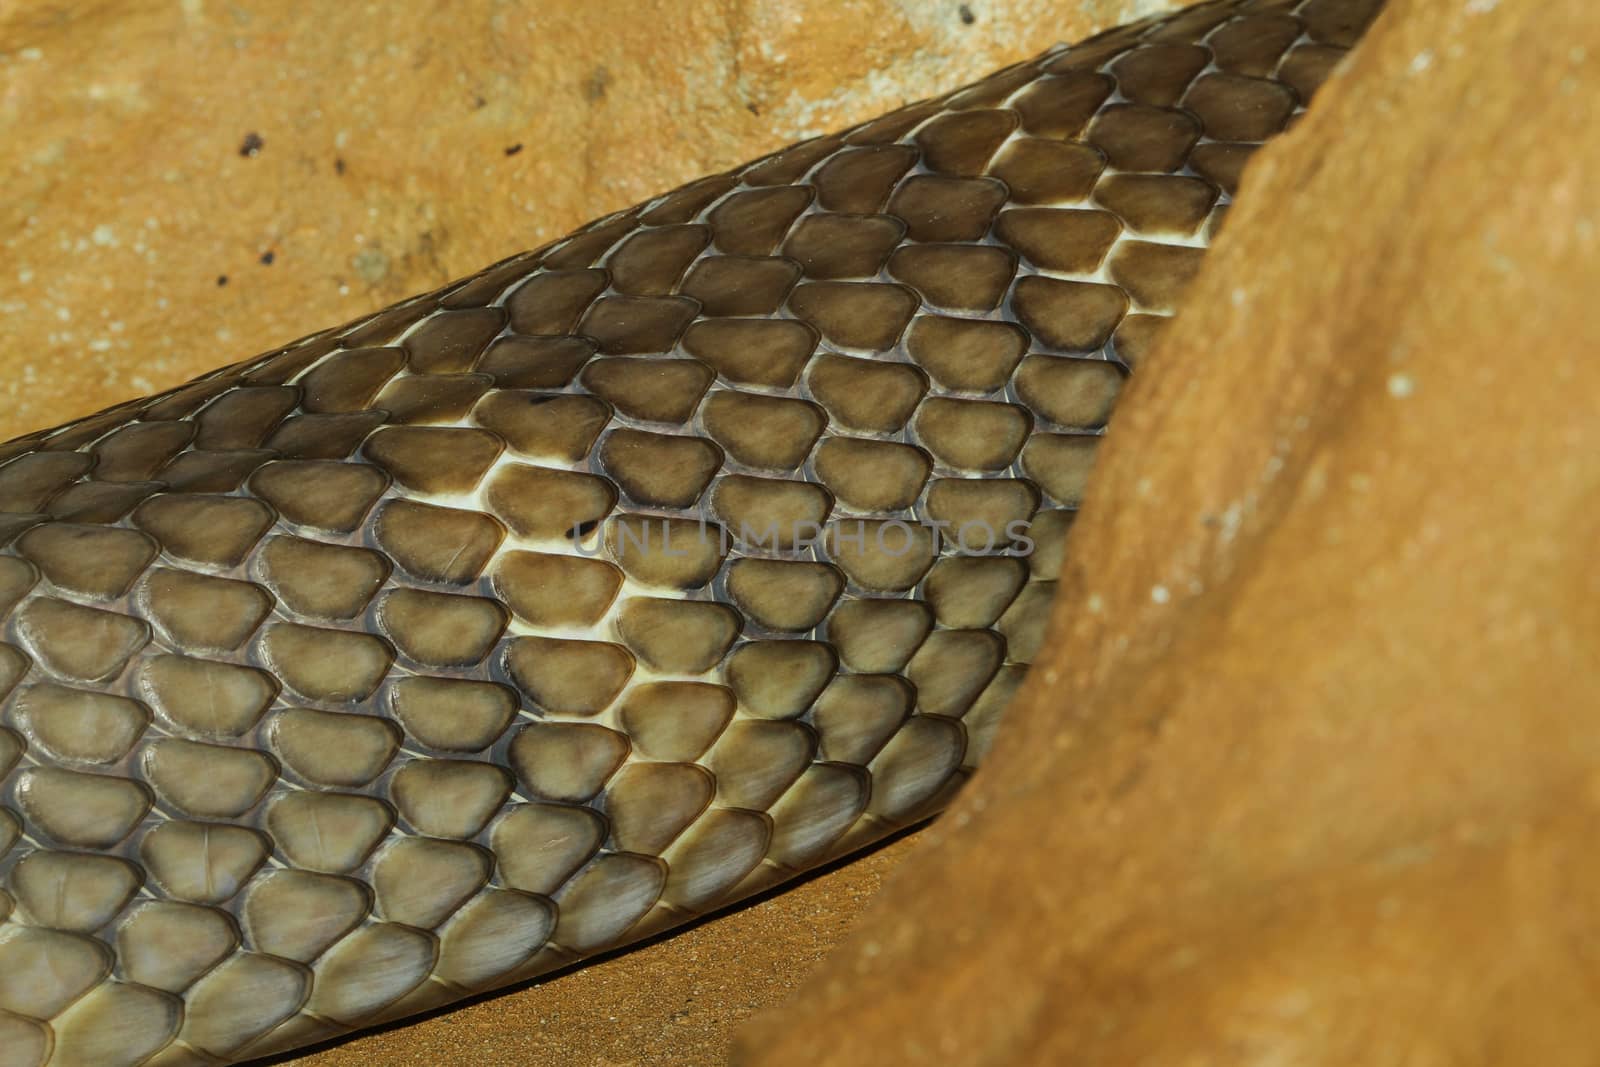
[612,584]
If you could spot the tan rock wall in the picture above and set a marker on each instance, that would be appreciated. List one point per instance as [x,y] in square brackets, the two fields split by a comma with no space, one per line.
[1314,775]
[400,145]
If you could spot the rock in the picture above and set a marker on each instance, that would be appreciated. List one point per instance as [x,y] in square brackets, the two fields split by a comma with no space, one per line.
[187,185]
[1314,774]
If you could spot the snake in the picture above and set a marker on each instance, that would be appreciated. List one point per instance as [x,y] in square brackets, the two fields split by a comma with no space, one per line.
[613,584]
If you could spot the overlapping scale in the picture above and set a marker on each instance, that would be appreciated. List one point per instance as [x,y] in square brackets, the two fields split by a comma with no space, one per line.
[620,580]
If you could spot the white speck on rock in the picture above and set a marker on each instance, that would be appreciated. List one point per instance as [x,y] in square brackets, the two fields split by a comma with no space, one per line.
[104,236]
[1401,386]
[1421,61]
[1159,594]
[1232,518]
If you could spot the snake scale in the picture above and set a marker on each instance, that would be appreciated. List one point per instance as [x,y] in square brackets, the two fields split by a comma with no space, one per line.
[617,582]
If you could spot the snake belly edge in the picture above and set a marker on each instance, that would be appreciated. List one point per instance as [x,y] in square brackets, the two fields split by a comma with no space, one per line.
[606,587]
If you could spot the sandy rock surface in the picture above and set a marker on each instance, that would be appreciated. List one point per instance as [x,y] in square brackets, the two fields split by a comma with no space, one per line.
[1314,776]
[187,184]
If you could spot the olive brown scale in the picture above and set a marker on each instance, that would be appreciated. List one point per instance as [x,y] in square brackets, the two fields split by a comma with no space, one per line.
[589,594]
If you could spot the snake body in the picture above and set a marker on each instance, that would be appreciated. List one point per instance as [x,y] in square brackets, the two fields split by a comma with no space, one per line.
[612,584]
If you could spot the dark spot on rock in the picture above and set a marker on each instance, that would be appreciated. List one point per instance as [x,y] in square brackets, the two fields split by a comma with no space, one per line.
[338,166]
[753,108]
[251,145]
[267,258]
[479,103]
[967,17]
[594,89]
[514,149]
[222,279]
